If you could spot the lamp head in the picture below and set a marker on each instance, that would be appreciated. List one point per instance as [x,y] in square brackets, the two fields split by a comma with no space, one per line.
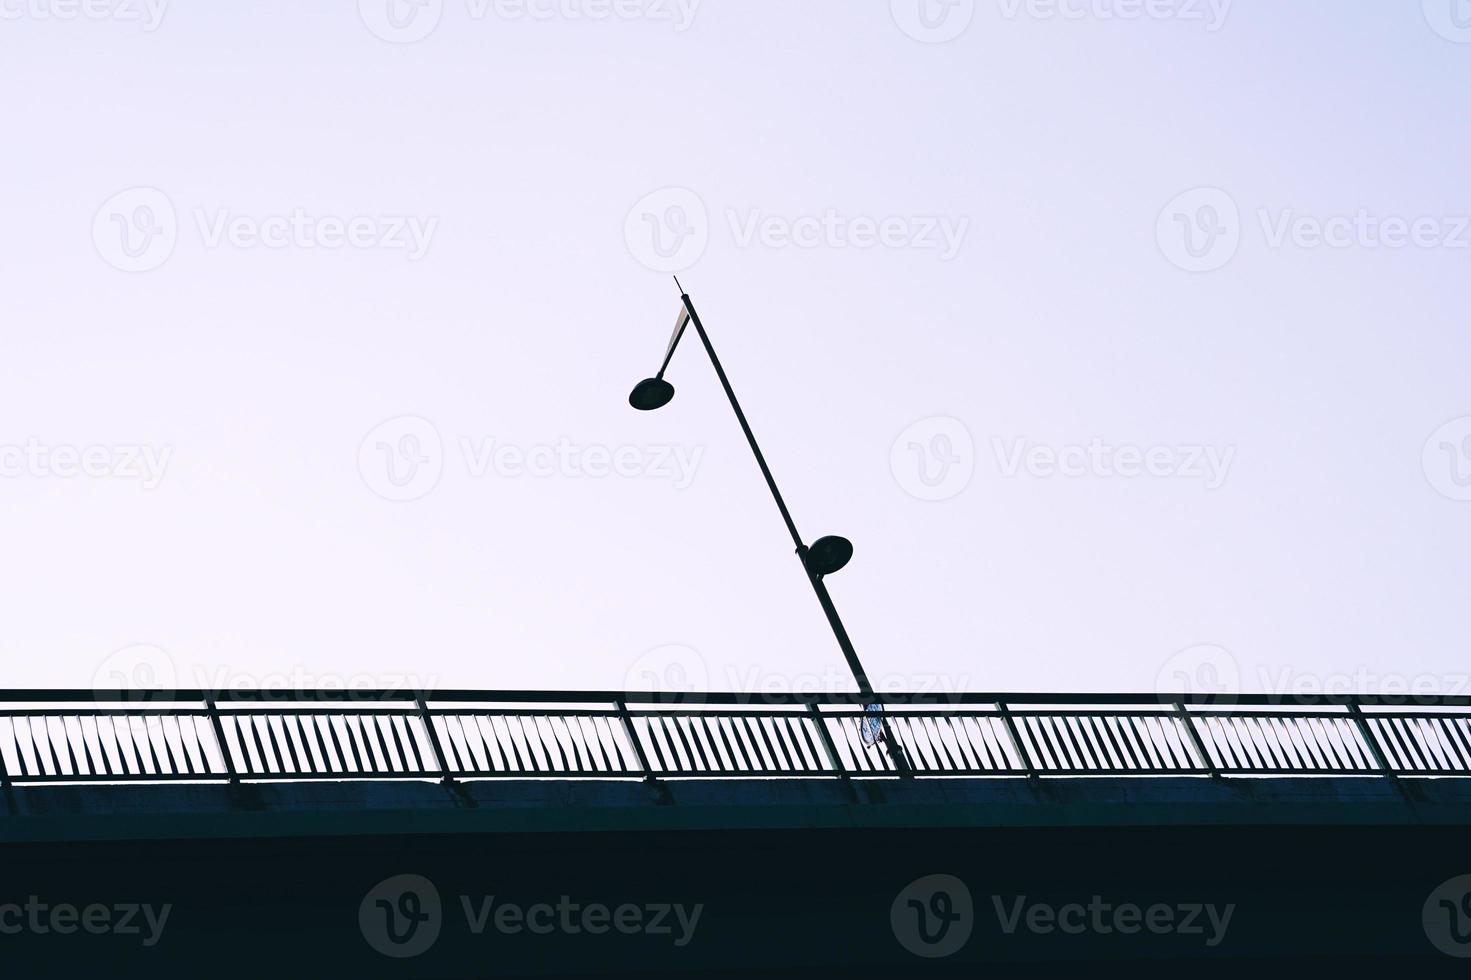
[651,393]
[829,554]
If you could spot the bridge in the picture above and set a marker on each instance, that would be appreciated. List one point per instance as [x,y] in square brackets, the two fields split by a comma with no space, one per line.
[488,833]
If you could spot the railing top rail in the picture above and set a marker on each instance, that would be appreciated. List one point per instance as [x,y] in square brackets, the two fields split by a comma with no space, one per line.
[473,696]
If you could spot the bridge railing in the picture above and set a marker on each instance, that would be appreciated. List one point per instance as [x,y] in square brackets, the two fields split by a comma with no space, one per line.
[107,736]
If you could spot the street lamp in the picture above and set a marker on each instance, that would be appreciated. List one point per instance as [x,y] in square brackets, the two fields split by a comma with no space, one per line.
[823,557]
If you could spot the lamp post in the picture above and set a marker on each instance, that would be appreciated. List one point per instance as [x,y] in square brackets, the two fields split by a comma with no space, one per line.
[823,557]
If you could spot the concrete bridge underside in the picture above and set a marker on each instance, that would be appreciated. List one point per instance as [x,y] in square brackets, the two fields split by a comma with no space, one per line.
[799,877]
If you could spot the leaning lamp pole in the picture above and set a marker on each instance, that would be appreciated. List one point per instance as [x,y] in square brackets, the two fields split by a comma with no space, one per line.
[823,557]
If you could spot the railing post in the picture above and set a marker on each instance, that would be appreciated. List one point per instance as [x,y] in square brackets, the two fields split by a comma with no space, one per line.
[219,730]
[5,788]
[1367,734]
[1196,740]
[434,740]
[827,740]
[638,747]
[1016,739]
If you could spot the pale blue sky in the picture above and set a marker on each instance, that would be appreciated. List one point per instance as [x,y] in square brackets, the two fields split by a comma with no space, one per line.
[980,240]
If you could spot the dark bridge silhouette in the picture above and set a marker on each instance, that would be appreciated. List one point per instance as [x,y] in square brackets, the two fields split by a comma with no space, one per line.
[424,834]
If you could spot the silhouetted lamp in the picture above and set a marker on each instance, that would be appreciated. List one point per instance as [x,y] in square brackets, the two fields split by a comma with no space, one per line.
[651,393]
[829,554]
[825,556]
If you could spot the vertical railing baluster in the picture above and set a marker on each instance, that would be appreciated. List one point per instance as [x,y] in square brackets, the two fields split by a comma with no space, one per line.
[6,789]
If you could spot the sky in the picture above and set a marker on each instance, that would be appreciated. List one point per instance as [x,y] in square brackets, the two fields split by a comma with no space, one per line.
[1126,339]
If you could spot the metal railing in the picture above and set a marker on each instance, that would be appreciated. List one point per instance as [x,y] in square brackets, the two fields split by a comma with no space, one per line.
[104,737]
